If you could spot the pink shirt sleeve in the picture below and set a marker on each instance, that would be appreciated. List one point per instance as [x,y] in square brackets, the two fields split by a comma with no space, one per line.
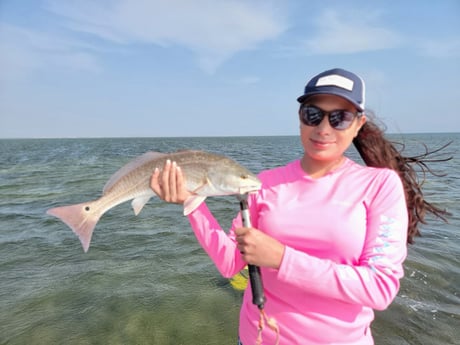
[220,246]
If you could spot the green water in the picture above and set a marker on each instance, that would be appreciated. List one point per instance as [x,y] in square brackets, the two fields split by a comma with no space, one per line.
[145,279]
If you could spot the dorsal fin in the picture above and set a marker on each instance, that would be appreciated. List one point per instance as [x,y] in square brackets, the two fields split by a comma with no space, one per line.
[130,166]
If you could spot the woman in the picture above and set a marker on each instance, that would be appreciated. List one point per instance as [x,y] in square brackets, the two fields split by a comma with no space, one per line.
[328,234]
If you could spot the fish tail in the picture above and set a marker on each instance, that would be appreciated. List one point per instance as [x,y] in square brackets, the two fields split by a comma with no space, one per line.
[81,218]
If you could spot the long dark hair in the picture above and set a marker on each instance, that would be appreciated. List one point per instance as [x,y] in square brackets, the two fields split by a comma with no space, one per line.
[378,151]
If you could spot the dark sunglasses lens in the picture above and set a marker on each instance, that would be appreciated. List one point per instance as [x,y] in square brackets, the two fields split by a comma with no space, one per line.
[311,116]
[341,119]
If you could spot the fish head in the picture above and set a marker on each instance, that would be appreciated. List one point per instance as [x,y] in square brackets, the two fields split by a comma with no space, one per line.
[229,179]
[249,183]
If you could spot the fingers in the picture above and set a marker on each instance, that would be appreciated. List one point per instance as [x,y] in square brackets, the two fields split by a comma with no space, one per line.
[154,183]
[173,190]
[169,183]
[243,244]
[180,185]
[240,232]
[258,248]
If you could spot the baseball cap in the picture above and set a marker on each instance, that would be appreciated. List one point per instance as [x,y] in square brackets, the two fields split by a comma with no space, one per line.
[337,82]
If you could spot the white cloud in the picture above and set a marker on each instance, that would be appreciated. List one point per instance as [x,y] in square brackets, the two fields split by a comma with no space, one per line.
[27,51]
[345,32]
[213,30]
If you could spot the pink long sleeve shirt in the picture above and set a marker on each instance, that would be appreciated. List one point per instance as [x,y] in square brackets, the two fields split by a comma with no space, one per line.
[345,242]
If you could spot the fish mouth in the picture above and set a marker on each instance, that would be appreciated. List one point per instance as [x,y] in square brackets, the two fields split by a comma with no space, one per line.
[249,189]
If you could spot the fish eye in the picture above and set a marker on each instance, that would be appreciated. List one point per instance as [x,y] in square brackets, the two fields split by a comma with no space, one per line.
[244,177]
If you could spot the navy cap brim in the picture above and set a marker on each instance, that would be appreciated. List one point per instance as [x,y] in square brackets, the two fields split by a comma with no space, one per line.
[302,98]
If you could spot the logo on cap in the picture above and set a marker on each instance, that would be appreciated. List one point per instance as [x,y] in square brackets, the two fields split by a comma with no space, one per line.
[336,80]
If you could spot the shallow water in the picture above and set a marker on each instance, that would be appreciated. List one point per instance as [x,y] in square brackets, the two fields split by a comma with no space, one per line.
[145,279]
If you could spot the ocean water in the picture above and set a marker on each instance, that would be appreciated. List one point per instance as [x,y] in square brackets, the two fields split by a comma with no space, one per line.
[146,280]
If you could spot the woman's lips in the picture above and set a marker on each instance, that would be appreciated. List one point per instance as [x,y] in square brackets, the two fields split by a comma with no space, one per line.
[321,143]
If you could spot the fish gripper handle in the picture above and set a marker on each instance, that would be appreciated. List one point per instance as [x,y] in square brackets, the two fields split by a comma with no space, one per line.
[257,288]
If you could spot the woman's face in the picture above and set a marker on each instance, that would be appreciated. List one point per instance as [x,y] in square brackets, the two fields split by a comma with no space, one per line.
[324,144]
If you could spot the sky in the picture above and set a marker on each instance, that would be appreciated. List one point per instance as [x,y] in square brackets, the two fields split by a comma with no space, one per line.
[147,68]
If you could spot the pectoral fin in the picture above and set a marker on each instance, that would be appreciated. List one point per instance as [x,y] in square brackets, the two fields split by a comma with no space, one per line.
[139,203]
[206,184]
[192,203]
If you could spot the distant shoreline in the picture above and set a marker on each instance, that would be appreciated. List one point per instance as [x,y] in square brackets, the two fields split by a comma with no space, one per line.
[208,136]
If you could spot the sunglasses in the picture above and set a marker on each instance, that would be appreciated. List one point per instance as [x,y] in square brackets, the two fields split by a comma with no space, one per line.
[338,119]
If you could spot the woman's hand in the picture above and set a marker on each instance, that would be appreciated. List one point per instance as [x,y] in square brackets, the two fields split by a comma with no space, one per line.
[257,248]
[169,185]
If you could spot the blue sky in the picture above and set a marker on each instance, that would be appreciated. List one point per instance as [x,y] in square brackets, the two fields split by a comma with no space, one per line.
[130,68]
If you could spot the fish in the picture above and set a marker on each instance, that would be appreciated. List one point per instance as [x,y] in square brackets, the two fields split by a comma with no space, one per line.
[206,174]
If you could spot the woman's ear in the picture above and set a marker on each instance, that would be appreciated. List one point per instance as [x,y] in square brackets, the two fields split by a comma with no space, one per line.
[362,120]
